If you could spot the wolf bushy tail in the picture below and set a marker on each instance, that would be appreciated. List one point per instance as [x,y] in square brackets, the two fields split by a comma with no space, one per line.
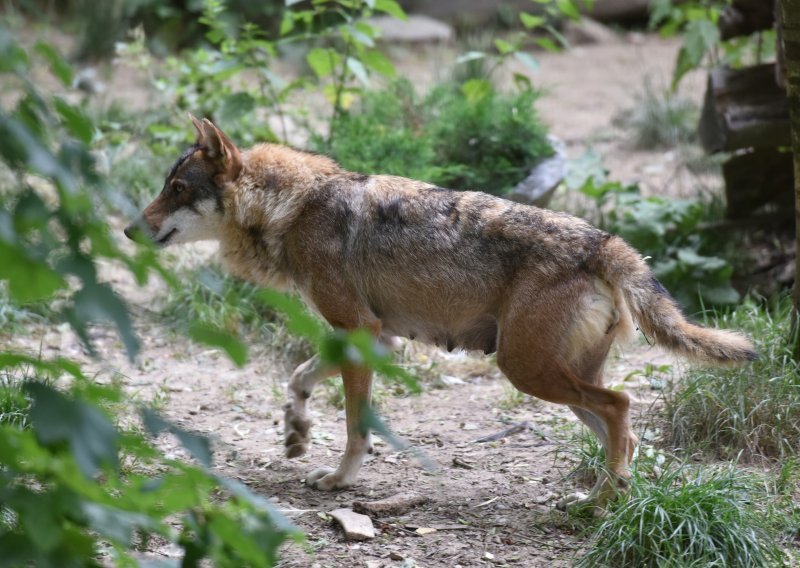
[659,316]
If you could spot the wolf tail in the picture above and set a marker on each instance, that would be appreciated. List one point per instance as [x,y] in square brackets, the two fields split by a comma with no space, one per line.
[658,315]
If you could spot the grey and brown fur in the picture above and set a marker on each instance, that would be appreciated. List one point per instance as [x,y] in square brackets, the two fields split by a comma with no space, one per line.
[546,291]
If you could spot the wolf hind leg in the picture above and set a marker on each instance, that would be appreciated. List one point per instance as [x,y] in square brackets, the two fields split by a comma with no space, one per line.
[556,369]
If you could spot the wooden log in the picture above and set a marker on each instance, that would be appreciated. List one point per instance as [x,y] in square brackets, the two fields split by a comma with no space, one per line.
[744,108]
[757,178]
[743,17]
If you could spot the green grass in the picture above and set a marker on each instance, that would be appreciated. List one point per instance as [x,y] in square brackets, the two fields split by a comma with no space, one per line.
[210,298]
[659,118]
[751,411]
[15,405]
[686,518]
[486,142]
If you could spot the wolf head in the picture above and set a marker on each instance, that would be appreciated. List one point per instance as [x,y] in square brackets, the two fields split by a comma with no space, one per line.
[190,207]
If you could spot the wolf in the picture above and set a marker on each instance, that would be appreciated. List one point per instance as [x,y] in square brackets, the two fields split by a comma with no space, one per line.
[546,291]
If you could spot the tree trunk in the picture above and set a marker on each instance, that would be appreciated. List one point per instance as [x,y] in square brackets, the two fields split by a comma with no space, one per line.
[790,14]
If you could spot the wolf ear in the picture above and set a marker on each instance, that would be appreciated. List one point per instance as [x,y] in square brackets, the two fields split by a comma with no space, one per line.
[221,149]
[201,137]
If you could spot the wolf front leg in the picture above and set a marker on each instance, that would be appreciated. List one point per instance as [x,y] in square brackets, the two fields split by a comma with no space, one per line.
[296,421]
[357,390]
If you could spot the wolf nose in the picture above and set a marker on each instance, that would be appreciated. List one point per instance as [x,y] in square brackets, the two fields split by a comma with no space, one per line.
[129,230]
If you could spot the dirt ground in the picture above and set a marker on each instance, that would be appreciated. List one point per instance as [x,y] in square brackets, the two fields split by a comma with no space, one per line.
[490,503]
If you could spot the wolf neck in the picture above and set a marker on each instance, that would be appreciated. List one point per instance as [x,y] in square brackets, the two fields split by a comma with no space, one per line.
[263,205]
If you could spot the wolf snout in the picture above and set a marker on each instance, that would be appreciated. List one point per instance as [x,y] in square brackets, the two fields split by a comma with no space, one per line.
[135,231]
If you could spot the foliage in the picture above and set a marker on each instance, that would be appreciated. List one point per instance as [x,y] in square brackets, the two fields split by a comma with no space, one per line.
[72,506]
[480,64]
[753,411]
[666,230]
[169,24]
[51,232]
[65,499]
[697,20]
[659,119]
[455,137]
[63,495]
[685,517]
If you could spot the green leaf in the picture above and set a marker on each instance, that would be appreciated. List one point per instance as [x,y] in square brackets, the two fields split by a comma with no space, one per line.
[699,37]
[58,65]
[547,43]
[476,90]
[378,62]
[503,46]
[298,320]
[235,106]
[323,61]
[12,57]
[358,70]
[75,120]
[392,8]
[97,303]
[530,21]
[690,257]
[197,445]
[91,436]
[209,335]
[470,56]
[569,9]
[28,279]
[115,524]
[720,295]
[527,60]
[287,23]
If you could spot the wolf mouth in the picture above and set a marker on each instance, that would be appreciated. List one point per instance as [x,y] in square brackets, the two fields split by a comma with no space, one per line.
[163,240]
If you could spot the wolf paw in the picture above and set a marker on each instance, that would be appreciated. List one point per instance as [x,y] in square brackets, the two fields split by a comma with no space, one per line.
[326,479]
[575,502]
[296,434]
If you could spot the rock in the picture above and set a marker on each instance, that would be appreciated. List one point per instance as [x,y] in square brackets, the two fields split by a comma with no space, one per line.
[354,525]
[543,179]
[417,29]
[87,80]
[588,31]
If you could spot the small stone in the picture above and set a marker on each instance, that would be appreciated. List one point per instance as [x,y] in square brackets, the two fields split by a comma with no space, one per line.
[395,556]
[354,525]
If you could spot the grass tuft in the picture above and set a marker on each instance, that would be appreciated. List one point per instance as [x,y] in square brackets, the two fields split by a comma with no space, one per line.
[685,518]
[751,411]
[15,406]
[659,118]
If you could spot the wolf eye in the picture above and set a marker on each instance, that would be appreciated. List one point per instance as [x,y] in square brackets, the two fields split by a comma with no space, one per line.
[178,185]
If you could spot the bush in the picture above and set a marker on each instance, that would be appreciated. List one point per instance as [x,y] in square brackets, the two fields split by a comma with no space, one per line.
[455,137]
[752,410]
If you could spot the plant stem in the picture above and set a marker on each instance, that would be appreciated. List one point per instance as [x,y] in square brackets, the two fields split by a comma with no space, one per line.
[337,100]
